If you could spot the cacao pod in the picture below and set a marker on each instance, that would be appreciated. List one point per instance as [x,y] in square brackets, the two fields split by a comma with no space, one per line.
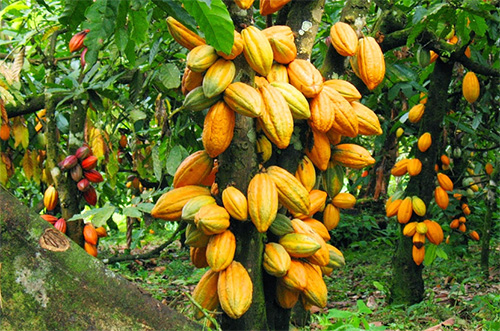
[237,48]
[83,185]
[201,58]
[198,257]
[371,63]
[93,176]
[462,227]
[220,250]
[405,210]
[336,257]
[279,74]
[101,232]
[414,167]
[344,200]
[331,216]
[445,182]
[212,219]
[424,142]
[71,161]
[434,232]
[344,39]
[88,163]
[454,224]
[205,292]
[218,129]
[262,198]
[352,156]
[322,112]
[345,88]
[368,123]
[282,43]
[257,50]
[346,120]
[392,207]
[418,254]
[416,112]
[286,298]
[441,197]
[315,291]
[91,249]
[190,80]
[299,244]
[470,87]
[268,7]
[218,77]
[296,278]
[418,206]
[169,205]
[421,228]
[400,168]
[196,237]
[281,225]
[333,179]
[318,227]
[4,131]
[76,42]
[297,102]
[244,99]
[418,239]
[305,77]
[83,152]
[244,4]
[76,173]
[235,290]
[446,161]
[276,260]
[318,200]
[318,149]
[474,235]
[306,173]
[193,170]
[488,168]
[90,195]
[193,205]
[50,198]
[61,225]
[52,219]
[90,234]
[264,148]
[410,229]
[183,35]
[291,193]
[235,203]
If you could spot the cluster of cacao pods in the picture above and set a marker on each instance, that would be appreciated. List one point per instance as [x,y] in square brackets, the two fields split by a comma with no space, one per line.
[91,236]
[285,90]
[76,44]
[58,223]
[81,168]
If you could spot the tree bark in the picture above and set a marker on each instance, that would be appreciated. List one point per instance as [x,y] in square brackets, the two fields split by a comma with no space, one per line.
[486,233]
[46,289]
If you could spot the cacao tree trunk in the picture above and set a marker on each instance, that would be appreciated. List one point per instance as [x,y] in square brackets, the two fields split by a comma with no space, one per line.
[48,282]
[407,284]
[486,233]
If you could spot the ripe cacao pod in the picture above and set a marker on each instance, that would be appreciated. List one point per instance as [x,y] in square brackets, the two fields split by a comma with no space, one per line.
[218,77]
[470,87]
[83,152]
[198,257]
[410,229]
[218,129]
[344,39]
[90,195]
[421,228]
[331,216]
[418,239]
[50,198]
[183,35]
[370,61]
[454,224]
[76,42]
[264,148]
[212,219]
[405,210]
[318,149]
[235,290]
[352,156]
[291,193]
[193,170]
[237,48]
[262,198]
[462,227]
[445,182]
[244,4]
[414,167]
[286,298]
[278,73]
[169,205]
[333,179]
[297,102]
[488,168]
[61,225]
[257,50]
[418,254]
[83,185]
[91,249]
[434,232]
[89,162]
[52,219]
[90,234]
[282,42]
[201,58]
[322,112]
[190,80]
[244,99]
[235,203]
[93,176]
[101,232]
[400,168]
[4,131]
[418,206]
[368,123]
[268,7]
[318,227]
[392,207]
[276,261]
[205,293]
[299,244]
[193,206]
[344,200]
[306,173]
[441,197]
[424,142]
[474,235]
[76,173]
[71,161]
[315,291]
[220,250]
[416,112]
[345,88]
[305,77]
[346,120]
[296,278]
[318,200]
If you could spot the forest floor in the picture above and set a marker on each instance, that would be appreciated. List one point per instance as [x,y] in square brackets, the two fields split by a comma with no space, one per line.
[457,296]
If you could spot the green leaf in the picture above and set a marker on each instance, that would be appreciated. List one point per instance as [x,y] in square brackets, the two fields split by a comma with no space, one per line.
[363,308]
[174,9]
[169,76]
[441,253]
[430,254]
[121,31]
[341,314]
[140,24]
[145,207]
[132,212]
[175,158]
[154,50]
[137,115]
[157,166]
[103,215]
[215,22]
[112,168]
[74,13]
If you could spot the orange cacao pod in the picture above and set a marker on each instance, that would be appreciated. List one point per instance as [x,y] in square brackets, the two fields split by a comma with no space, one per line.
[278,73]
[212,219]
[296,278]
[322,112]
[201,58]
[93,176]
[462,227]
[416,112]
[434,232]
[371,63]
[414,167]
[368,123]
[345,88]
[315,291]
[101,232]
[190,80]
[446,160]
[318,200]
[418,254]
[257,50]
[220,250]
[235,290]
[318,149]
[4,131]
[306,173]
[205,292]
[183,35]
[244,4]
[445,182]
[424,142]
[76,42]
[193,170]
[91,249]
[282,42]
[344,39]
[268,7]
[262,198]
[297,102]
[237,48]
[169,205]
[218,77]
[305,77]
[454,224]
[392,207]
[400,168]
[218,129]
[50,198]
[198,256]
[331,216]
[276,260]
[244,99]
[418,239]
[405,210]
[235,203]
[474,235]
[352,156]
[344,200]
[286,298]
[49,218]
[488,168]
[441,197]
[470,87]
[410,229]
[318,227]
[90,234]
[291,193]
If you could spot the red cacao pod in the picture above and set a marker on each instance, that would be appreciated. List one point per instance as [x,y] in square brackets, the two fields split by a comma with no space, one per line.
[89,162]
[93,176]
[90,196]
[90,234]
[83,185]
[76,42]
[61,225]
[82,152]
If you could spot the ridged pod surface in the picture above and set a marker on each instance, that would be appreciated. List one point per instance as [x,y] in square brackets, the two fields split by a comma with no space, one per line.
[218,129]
[244,99]
[262,198]
[218,77]
[257,50]
[318,200]
[470,87]
[235,203]
[169,205]
[346,120]
[198,257]
[306,173]
[344,200]
[318,149]
[50,198]
[291,193]
[331,216]
[276,120]
[212,219]
[368,123]
[299,244]
[234,289]
[345,88]
[424,142]
[193,205]
[201,58]
[205,292]
[418,206]
[400,168]
[371,62]
[418,254]
[281,225]
[276,260]
[196,100]
[183,35]
[220,250]
[286,298]
[297,102]
[296,278]
[410,229]
[264,148]
[268,7]
[278,73]
[237,48]
[352,156]
[344,39]
[441,197]
[282,42]
[90,234]
[414,167]
[322,112]
[244,4]
[193,170]
[196,237]
[315,291]
[305,77]
[405,210]
[318,227]
[391,208]
[416,112]
[190,80]
[445,182]
[333,179]
[434,232]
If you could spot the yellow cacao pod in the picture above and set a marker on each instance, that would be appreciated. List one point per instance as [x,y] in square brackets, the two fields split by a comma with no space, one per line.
[336,257]
[244,99]
[244,4]
[50,198]
[345,88]
[331,216]
[257,50]
[392,206]
[346,120]
[220,250]
[291,193]
[344,200]
[278,73]
[297,102]
[201,58]
[193,170]
[286,298]
[434,232]
[264,148]
[418,254]
[262,196]
[305,77]
[414,167]
[235,290]
[183,35]
[421,228]
[196,100]
[212,219]
[268,7]
[410,229]
[424,142]
[371,63]
[205,292]
[237,48]
[344,39]
[276,260]
[306,173]
[276,120]
[198,256]
[470,87]
[218,77]
[235,203]
[418,206]
[318,149]
[405,210]
[318,227]
[445,182]
[416,112]
[296,278]
[315,292]
[318,200]
[190,80]
[218,129]
[193,205]
[299,244]
[322,112]
[169,205]
[441,197]
[282,42]
[400,168]
[352,156]
[368,123]
[260,81]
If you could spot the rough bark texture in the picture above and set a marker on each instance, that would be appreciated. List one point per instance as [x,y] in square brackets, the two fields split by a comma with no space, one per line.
[407,284]
[491,208]
[67,290]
